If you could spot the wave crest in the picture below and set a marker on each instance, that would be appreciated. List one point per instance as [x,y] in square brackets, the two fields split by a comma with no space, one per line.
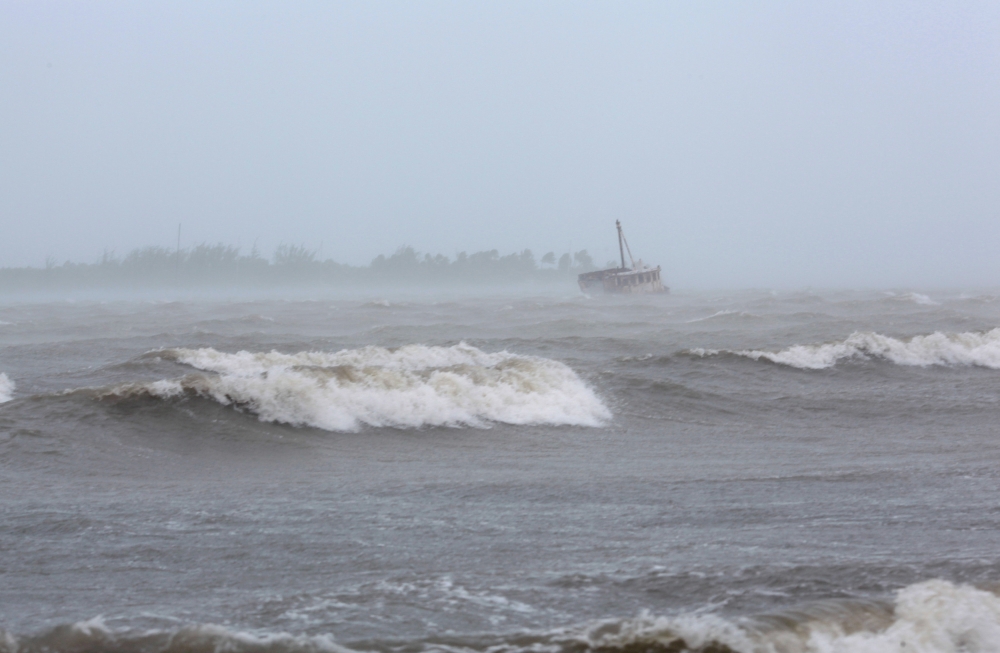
[934,616]
[95,635]
[409,387]
[981,349]
[6,389]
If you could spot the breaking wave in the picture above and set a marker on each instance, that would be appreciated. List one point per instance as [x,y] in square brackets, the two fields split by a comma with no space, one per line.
[409,387]
[915,297]
[95,636]
[6,389]
[718,314]
[931,617]
[980,349]
[928,617]
[923,300]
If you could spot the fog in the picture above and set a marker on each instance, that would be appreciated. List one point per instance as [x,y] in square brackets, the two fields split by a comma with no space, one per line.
[852,144]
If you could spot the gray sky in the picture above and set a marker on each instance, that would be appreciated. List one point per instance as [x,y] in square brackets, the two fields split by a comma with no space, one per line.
[741,144]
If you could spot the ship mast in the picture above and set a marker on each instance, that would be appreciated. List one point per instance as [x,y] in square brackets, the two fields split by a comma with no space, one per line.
[621,248]
[623,245]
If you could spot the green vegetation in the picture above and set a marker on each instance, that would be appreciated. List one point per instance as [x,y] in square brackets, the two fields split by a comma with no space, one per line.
[224,265]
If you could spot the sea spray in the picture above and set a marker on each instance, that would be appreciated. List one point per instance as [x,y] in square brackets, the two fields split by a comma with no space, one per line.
[410,387]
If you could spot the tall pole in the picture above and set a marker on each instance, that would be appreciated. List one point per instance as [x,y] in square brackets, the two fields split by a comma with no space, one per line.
[621,250]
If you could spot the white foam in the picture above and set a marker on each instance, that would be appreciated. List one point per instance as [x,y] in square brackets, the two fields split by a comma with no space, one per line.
[715,315]
[6,389]
[935,616]
[92,626]
[931,617]
[697,632]
[409,387]
[923,300]
[218,638]
[444,593]
[915,297]
[94,634]
[971,348]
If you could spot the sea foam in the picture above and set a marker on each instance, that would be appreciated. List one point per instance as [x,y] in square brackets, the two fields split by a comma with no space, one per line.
[930,617]
[6,389]
[934,616]
[95,635]
[970,349]
[409,387]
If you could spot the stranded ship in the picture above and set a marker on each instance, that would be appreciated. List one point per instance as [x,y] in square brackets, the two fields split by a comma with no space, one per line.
[638,279]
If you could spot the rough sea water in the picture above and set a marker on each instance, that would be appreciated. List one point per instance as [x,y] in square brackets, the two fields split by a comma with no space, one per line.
[755,471]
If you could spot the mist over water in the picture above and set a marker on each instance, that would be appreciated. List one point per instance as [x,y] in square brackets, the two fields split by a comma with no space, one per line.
[745,471]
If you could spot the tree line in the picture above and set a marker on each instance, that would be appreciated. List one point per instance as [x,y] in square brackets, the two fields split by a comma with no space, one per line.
[217,265]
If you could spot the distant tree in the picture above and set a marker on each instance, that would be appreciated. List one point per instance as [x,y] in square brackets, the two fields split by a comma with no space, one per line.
[440,260]
[484,260]
[293,256]
[403,262]
[223,264]
[403,258]
[149,261]
[215,257]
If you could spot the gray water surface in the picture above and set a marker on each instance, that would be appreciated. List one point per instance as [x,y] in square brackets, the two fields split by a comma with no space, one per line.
[722,484]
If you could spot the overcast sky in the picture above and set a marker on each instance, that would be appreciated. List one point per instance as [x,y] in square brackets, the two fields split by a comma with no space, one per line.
[741,144]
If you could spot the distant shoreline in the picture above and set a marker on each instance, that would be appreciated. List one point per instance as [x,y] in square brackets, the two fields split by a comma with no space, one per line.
[208,267]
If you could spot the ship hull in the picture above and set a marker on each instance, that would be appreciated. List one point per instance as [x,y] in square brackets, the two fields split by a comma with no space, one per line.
[623,281]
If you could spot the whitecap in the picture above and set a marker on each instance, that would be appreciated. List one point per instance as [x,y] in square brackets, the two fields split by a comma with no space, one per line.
[713,315]
[722,313]
[923,300]
[6,389]
[410,387]
[94,634]
[932,616]
[980,349]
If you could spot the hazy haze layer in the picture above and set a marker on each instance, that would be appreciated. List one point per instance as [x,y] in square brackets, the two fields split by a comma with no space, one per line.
[782,144]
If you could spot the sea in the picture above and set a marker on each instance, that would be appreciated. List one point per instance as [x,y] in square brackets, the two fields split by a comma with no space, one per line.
[529,471]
